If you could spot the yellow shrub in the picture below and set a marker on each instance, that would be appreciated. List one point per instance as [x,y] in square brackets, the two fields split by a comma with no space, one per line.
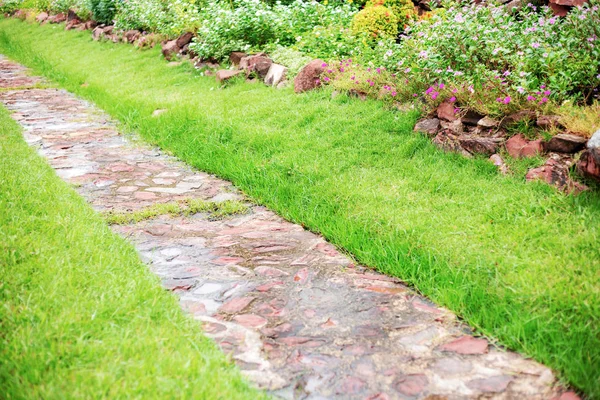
[376,21]
[403,9]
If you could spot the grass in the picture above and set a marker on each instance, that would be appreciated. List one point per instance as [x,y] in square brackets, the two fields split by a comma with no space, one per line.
[519,261]
[80,316]
[215,210]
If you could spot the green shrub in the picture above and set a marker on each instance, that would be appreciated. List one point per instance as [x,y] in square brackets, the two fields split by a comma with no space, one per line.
[330,42]
[377,22]
[103,11]
[9,6]
[294,60]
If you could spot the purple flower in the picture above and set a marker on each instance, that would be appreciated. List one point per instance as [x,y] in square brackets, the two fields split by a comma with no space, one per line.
[341,69]
[547,92]
[452,99]
[326,79]
[378,70]
[530,98]
[428,91]
[393,94]
[507,100]
[441,86]
[329,71]
[543,100]
[324,65]
[434,95]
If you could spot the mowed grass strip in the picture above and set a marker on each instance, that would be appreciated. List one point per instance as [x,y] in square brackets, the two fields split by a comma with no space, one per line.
[519,261]
[80,316]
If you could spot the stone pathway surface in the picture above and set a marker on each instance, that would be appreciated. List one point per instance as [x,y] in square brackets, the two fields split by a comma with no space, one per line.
[300,319]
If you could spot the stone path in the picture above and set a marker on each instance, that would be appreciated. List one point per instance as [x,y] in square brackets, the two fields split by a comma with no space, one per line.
[300,319]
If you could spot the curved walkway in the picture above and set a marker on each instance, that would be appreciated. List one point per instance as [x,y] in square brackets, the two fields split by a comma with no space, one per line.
[299,318]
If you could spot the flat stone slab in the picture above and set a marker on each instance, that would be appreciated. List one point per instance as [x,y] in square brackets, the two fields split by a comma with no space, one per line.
[300,319]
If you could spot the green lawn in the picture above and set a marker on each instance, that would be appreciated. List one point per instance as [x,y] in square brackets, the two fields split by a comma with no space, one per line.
[518,261]
[80,316]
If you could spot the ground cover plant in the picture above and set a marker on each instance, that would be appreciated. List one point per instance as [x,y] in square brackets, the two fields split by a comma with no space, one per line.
[518,261]
[81,316]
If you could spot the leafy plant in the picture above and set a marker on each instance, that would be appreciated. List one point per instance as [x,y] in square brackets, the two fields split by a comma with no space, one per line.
[103,10]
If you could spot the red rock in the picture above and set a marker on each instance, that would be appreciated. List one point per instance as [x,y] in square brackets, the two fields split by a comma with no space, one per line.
[170,49]
[327,249]
[328,324]
[385,290]
[236,305]
[309,77]
[523,115]
[569,3]
[131,36]
[480,145]
[225,74]
[236,56]
[428,126]
[184,39]
[258,64]
[466,345]
[58,18]
[213,327]
[558,10]
[519,147]
[548,121]
[411,385]
[228,260]
[499,162]
[446,112]
[268,286]
[379,396]
[589,164]
[250,320]
[42,17]
[565,143]
[495,384]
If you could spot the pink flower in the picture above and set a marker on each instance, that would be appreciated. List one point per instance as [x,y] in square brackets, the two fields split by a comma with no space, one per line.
[415,95]
[452,99]
[371,83]
[544,100]
[530,98]
[547,92]
[441,86]
[326,79]
[507,100]
[341,69]
[535,45]
[434,95]
[378,70]
[428,91]
[324,65]
[499,99]
[393,94]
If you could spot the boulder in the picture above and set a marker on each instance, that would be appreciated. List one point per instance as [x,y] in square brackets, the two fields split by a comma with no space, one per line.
[20,14]
[480,145]
[131,36]
[184,39]
[42,17]
[558,10]
[523,115]
[499,162]
[555,172]
[488,123]
[97,33]
[569,3]
[589,162]
[236,56]
[445,111]
[448,141]
[549,121]
[275,74]
[170,49]
[226,74]
[72,24]
[309,76]
[565,143]
[258,64]
[456,127]
[58,18]
[428,126]
[471,118]
[519,147]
